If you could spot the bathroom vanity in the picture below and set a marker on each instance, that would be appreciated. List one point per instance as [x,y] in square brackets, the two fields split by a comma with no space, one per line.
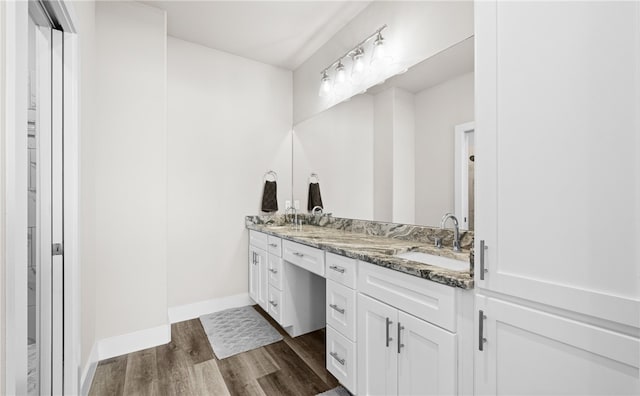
[393,325]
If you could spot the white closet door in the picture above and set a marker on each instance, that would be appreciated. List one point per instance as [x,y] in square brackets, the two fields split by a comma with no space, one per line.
[557,149]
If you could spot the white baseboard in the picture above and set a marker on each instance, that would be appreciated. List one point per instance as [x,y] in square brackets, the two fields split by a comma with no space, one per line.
[148,338]
[89,370]
[132,342]
[191,311]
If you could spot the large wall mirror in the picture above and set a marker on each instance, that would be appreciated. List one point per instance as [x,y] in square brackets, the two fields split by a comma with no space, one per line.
[402,152]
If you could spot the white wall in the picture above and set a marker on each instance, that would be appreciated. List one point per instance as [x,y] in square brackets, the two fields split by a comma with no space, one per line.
[393,157]
[2,200]
[417,30]
[404,165]
[438,110]
[229,121]
[85,13]
[337,145]
[130,169]
[383,156]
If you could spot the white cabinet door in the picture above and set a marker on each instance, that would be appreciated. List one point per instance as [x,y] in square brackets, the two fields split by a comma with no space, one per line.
[254,274]
[557,120]
[528,351]
[263,282]
[377,348]
[426,358]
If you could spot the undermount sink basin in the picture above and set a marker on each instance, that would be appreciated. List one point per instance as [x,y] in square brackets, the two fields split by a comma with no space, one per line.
[444,262]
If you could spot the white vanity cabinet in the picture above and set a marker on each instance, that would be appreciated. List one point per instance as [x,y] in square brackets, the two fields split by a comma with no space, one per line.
[556,154]
[408,337]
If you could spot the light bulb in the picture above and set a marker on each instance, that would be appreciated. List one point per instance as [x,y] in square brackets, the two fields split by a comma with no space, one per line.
[325,85]
[380,51]
[341,74]
[358,64]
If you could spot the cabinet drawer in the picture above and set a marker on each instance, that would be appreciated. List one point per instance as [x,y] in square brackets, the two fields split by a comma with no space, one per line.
[341,269]
[275,304]
[341,309]
[422,298]
[258,239]
[341,359]
[274,245]
[303,256]
[274,271]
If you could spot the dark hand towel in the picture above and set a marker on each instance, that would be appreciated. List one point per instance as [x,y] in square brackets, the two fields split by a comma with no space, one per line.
[270,197]
[314,196]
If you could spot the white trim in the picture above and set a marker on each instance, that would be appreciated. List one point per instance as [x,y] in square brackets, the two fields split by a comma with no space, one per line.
[132,342]
[89,371]
[191,311]
[461,173]
[72,332]
[16,32]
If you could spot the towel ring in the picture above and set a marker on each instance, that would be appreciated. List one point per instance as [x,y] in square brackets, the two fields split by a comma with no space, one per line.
[272,174]
[314,176]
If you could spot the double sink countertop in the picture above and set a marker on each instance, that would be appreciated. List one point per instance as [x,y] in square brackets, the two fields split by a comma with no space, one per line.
[377,250]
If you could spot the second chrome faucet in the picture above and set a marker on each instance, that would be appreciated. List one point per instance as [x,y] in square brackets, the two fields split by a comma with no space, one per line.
[456,230]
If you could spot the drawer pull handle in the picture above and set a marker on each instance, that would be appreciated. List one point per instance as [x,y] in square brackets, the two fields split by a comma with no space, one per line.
[335,307]
[338,269]
[275,304]
[337,357]
[298,254]
[483,269]
[400,344]
[481,339]
[273,270]
[273,244]
[389,339]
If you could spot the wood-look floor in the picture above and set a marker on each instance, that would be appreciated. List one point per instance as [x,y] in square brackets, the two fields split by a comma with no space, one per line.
[187,366]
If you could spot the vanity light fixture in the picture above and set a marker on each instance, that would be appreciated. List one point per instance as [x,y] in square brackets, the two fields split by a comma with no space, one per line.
[379,50]
[325,85]
[341,74]
[356,55]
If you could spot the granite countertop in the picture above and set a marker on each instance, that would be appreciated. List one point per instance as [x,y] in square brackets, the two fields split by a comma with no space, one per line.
[376,250]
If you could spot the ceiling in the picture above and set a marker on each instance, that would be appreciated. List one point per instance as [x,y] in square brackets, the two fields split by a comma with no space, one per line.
[280,33]
[445,65]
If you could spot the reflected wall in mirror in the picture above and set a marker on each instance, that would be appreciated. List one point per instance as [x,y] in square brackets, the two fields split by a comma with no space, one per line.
[402,152]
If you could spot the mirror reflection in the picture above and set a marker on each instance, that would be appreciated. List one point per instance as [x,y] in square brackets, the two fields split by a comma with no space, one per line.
[402,152]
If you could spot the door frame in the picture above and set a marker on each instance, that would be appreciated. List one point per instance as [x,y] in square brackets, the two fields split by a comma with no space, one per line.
[461,172]
[14,168]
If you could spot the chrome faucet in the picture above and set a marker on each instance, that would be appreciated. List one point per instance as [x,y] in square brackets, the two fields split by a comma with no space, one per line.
[317,210]
[295,215]
[456,230]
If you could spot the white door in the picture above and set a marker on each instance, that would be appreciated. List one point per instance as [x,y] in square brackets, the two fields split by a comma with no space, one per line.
[427,358]
[45,208]
[532,352]
[558,181]
[377,347]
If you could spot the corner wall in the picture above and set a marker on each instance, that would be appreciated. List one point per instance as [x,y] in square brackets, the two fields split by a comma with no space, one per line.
[129,170]
[229,122]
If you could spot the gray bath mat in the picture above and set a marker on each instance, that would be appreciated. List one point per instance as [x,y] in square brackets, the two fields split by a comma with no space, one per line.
[237,330]
[339,391]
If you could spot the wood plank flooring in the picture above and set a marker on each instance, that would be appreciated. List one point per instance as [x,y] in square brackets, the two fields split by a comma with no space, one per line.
[187,366]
